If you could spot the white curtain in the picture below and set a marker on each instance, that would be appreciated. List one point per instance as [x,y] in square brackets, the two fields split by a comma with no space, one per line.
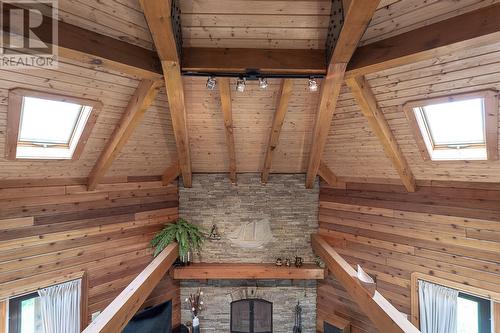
[61,307]
[438,308]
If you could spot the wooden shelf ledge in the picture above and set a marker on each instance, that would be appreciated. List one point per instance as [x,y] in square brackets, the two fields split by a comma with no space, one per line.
[237,271]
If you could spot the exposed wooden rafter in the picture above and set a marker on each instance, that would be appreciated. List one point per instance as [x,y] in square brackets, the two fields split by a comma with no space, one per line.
[95,49]
[469,30]
[158,16]
[357,17]
[143,97]
[227,111]
[327,174]
[368,104]
[279,116]
[482,27]
[116,315]
[266,61]
[171,173]
[382,313]
[466,31]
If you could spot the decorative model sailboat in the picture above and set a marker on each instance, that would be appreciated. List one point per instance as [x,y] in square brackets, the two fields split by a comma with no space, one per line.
[252,235]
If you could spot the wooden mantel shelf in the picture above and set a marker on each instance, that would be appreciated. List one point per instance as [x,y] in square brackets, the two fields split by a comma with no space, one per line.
[236,271]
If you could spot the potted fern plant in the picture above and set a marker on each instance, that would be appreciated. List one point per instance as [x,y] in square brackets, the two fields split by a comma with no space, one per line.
[188,236]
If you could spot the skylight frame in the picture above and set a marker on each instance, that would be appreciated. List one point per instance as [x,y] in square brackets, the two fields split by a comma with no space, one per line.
[487,151]
[15,106]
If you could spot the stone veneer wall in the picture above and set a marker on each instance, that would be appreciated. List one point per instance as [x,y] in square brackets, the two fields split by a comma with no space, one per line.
[284,294]
[291,209]
[292,213]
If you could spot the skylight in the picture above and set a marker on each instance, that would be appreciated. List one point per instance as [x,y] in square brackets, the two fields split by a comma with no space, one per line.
[46,121]
[456,128]
[48,126]
[457,123]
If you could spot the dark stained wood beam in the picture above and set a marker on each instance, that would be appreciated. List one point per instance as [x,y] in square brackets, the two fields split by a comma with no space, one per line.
[116,315]
[171,173]
[356,19]
[158,17]
[369,106]
[382,313]
[469,30]
[327,174]
[227,111]
[96,49]
[278,119]
[143,97]
[266,61]
[466,31]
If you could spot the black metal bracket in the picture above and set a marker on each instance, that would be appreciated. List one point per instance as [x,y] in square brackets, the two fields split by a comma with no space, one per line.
[176,26]
[336,23]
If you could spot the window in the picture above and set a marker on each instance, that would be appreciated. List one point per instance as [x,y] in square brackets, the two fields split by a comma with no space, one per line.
[433,299]
[459,127]
[47,126]
[25,314]
[473,314]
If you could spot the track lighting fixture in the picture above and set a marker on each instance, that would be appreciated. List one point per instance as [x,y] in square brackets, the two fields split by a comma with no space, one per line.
[241,84]
[313,84]
[263,83]
[211,83]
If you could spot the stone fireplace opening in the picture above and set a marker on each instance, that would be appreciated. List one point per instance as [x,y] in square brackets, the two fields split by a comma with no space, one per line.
[251,316]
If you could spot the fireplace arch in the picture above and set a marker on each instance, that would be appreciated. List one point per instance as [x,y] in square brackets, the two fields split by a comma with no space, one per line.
[251,315]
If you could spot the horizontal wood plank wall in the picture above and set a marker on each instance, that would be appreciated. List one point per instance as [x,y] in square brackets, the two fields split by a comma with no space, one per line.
[51,231]
[450,230]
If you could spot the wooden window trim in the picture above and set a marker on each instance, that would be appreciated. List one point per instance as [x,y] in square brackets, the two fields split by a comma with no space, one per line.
[416,276]
[22,289]
[14,119]
[490,117]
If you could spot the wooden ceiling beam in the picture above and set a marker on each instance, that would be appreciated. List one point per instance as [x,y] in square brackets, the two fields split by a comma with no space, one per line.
[142,99]
[327,174]
[158,17]
[382,313]
[469,30]
[473,29]
[278,119]
[265,61]
[95,49]
[367,102]
[356,20]
[227,111]
[116,315]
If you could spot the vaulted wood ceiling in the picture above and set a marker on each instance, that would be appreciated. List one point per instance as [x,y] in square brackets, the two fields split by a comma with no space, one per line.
[352,149]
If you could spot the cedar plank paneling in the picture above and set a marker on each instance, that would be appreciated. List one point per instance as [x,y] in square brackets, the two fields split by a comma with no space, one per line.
[57,230]
[449,231]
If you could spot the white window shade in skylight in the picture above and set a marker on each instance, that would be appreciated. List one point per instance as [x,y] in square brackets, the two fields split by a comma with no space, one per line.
[48,126]
[456,128]
[46,121]
[456,123]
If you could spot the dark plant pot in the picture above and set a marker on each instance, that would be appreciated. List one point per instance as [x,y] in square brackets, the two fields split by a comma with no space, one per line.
[186,259]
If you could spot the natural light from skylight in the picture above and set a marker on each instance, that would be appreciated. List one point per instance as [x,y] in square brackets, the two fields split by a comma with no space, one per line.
[50,129]
[46,121]
[454,130]
[456,123]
